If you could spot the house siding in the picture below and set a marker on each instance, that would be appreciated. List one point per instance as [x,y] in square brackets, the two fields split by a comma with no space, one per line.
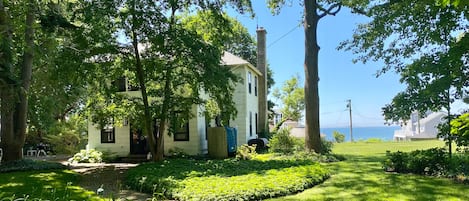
[197,143]
[121,146]
[245,102]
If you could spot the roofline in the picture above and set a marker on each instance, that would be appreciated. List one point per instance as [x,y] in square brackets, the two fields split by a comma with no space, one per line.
[248,65]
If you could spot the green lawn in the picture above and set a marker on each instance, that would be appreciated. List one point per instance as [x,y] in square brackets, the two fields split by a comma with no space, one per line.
[362,178]
[43,185]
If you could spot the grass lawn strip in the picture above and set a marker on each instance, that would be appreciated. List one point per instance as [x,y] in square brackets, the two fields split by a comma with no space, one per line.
[44,185]
[361,177]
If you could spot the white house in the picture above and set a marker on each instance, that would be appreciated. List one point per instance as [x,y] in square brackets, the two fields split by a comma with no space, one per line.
[416,128]
[192,138]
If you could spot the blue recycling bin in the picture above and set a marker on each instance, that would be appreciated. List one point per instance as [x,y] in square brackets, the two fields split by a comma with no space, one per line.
[231,138]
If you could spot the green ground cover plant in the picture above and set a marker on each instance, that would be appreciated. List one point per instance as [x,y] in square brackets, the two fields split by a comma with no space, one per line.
[361,177]
[230,179]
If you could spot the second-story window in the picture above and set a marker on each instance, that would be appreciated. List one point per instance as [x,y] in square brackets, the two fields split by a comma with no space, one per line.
[249,81]
[119,84]
[255,85]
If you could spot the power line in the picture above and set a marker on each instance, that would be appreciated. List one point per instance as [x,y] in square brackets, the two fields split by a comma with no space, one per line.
[284,35]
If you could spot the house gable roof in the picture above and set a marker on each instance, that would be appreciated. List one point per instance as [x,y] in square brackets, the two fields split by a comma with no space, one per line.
[229,59]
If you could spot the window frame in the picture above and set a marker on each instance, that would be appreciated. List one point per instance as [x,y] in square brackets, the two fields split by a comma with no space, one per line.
[182,131]
[108,134]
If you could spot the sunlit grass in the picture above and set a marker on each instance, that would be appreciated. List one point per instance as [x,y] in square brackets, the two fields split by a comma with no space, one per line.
[45,185]
[362,178]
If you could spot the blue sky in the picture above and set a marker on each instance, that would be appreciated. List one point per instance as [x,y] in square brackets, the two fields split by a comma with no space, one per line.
[340,78]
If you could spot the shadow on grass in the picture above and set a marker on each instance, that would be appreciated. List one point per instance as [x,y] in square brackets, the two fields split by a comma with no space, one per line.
[47,185]
[362,178]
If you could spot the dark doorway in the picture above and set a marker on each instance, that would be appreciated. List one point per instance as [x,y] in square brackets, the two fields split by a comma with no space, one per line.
[138,141]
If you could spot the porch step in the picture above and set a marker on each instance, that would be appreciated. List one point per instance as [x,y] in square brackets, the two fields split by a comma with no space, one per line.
[135,158]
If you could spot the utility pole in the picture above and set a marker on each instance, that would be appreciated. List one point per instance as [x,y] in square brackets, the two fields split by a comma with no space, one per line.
[349,106]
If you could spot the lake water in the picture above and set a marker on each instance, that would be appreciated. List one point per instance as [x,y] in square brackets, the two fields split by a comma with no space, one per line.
[362,133]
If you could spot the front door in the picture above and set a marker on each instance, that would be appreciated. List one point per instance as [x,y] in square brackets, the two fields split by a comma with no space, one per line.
[138,142]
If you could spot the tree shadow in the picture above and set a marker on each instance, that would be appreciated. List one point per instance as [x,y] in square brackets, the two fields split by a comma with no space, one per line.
[362,178]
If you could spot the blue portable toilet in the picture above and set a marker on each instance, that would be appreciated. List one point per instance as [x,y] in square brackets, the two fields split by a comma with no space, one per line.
[231,138]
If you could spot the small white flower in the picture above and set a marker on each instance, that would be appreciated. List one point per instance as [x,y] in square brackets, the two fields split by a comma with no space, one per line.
[100,190]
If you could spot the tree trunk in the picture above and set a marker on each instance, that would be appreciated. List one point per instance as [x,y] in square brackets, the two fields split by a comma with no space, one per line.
[147,118]
[312,133]
[15,97]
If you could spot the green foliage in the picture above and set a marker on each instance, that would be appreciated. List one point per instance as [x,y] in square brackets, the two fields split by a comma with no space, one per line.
[87,156]
[431,64]
[184,179]
[246,152]
[292,96]
[338,137]
[460,130]
[326,146]
[434,162]
[43,185]
[67,136]
[28,165]
[223,31]
[282,142]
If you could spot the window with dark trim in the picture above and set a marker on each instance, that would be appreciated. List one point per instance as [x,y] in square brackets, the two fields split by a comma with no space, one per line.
[108,134]
[250,123]
[255,125]
[180,128]
[255,85]
[182,133]
[249,81]
[120,84]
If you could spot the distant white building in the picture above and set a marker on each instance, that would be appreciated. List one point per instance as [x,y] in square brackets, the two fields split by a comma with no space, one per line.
[416,128]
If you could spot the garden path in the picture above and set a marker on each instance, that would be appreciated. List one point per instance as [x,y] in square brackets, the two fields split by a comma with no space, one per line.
[109,176]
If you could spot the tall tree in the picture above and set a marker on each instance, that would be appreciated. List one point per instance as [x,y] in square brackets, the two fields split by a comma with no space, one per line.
[16,72]
[426,43]
[229,34]
[223,31]
[292,97]
[169,64]
[314,11]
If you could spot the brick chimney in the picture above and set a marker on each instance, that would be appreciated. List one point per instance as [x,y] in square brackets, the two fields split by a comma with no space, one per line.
[263,126]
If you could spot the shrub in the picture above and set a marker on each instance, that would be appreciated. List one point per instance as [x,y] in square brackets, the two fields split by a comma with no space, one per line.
[338,137]
[28,164]
[282,142]
[326,146]
[426,162]
[434,162]
[87,156]
[460,130]
[246,152]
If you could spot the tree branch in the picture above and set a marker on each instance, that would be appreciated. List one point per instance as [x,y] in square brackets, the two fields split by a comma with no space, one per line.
[330,10]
